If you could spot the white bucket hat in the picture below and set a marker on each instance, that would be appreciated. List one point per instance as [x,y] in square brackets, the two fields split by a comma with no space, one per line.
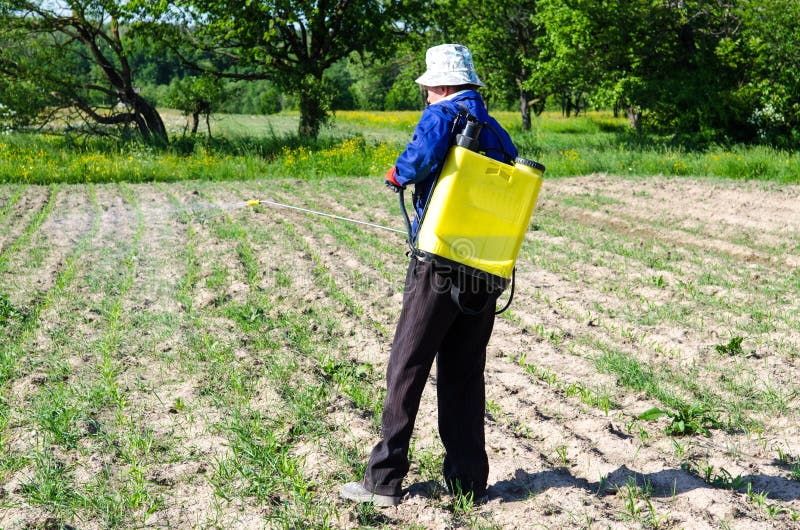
[449,65]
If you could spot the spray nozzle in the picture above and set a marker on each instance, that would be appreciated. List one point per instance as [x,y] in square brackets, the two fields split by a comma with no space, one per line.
[253,202]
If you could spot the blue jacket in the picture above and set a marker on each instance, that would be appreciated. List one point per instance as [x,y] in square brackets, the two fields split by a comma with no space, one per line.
[420,163]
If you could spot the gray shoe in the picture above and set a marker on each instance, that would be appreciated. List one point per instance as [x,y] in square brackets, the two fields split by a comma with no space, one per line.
[354,491]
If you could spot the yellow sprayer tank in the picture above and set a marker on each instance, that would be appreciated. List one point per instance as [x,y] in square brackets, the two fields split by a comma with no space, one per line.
[479,211]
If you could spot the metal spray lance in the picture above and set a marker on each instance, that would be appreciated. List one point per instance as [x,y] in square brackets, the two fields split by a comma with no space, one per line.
[257,202]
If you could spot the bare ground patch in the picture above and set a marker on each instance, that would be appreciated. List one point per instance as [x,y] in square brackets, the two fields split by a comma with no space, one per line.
[629,292]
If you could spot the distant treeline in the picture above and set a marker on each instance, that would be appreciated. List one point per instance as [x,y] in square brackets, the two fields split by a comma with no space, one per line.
[695,71]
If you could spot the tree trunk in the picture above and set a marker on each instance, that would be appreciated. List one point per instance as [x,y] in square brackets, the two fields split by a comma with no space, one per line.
[195,122]
[150,124]
[525,110]
[633,116]
[312,115]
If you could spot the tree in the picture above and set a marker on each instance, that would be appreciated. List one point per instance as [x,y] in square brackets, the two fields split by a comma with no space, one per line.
[765,51]
[197,96]
[22,99]
[289,42]
[75,53]
[602,49]
[656,59]
[501,35]
[386,83]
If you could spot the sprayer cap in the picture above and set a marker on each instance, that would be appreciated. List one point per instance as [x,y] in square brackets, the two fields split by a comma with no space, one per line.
[530,163]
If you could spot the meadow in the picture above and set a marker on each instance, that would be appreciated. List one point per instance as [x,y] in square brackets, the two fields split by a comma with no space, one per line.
[170,358]
[358,143]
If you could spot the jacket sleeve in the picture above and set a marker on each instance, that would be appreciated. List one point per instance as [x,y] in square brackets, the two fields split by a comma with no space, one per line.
[427,148]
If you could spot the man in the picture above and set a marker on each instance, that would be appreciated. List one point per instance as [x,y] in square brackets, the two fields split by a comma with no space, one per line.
[431,324]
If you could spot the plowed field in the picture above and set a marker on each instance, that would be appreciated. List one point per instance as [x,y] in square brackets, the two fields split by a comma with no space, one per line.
[171,359]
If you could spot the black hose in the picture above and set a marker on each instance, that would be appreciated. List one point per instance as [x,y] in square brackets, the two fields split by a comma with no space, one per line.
[409,231]
[511,293]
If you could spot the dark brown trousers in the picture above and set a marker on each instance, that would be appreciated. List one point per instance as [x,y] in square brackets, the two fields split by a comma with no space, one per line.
[432,326]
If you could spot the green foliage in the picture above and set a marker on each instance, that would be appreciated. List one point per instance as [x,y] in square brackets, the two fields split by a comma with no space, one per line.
[340,78]
[722,479]
[364,143]
[701,71]
[72,62]
[502,38]
[291,44]
[9,313]
[25,94]
[686,421]
[196,96]
[404,94]
[734,347]
[766,49]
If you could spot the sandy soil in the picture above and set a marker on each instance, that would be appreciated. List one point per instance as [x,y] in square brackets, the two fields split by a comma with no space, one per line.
[659,271]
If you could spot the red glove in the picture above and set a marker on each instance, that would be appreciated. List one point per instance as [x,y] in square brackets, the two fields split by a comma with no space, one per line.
[391,180]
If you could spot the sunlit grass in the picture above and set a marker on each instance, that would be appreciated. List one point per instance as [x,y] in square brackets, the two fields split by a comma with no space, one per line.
[362,143]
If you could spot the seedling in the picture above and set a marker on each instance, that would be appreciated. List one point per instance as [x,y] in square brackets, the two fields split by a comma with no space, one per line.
[759,499]
[634,494]
[727,481]
[723,479]
[602,484]
[493,410]
[561,451]
[463,503]
[680,450]
[367,515]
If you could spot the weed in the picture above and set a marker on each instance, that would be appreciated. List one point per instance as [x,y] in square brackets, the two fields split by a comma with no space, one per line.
[732,348]
[791,462]
[51,484]
[632,496]
[10,314]
[493,410]
[430,464]
[60,416]
[368,515]
[687,420]
[463,503]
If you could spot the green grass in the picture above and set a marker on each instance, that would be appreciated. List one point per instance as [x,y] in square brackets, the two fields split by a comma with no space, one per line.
[366,143]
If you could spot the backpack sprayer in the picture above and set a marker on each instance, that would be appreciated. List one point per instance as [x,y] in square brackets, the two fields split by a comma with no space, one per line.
[476,216]
[477,213]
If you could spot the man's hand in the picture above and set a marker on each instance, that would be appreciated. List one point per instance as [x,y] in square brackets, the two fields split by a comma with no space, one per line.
[394,187]
[391,181]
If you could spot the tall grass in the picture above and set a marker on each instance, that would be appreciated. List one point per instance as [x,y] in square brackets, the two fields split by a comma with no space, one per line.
[600,143]
[358,143]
